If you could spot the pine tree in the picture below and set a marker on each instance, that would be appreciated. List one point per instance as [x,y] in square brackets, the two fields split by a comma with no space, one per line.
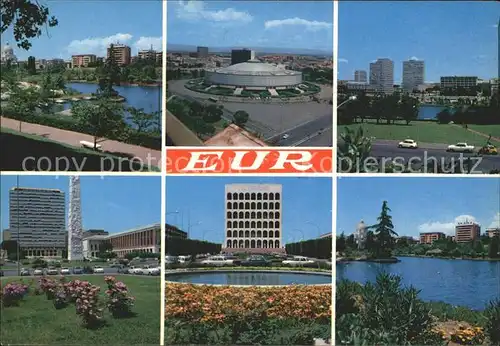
[384,231]
[494,247]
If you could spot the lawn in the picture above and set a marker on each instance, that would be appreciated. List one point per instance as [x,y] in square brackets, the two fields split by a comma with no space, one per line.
[36,321]
[425,132]
[493,130]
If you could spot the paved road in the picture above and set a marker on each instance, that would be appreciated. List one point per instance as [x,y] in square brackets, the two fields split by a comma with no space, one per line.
[302,132]
[429,152]
[107,271]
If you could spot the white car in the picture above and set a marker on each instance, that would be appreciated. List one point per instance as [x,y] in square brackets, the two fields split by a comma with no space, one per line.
[298,261]
[171,260]
[285,136]
[52,271]
[38,272]
[461,148]
[217,261]
[184,259]
[98,270]
[135,270]
[25,272]
[408,143]
[150,270]
[65,271]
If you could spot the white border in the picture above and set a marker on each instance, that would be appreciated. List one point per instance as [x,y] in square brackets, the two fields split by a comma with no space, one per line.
[334,162]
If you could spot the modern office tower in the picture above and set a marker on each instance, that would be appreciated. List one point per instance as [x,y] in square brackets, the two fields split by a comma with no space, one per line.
[75,229]
[37,221]
[121,54]
[253,218]
[413,74]
[241,55]
[202,52]
[360,76]
[382,75]
[467,231]
[453,82]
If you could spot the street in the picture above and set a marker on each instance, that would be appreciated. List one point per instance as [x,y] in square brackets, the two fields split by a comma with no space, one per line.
[301,133]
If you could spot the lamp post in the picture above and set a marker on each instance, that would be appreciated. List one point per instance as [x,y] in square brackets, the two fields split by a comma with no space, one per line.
[351,98]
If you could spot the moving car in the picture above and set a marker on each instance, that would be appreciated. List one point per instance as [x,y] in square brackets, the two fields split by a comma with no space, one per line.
[65,271]
[285,136]
[298,261]
[488,149]
[217,261]
[52,271]
[38,271]
[98,270]
[255,261]
[24,272]
[461,148]
[77,270]
[408,143]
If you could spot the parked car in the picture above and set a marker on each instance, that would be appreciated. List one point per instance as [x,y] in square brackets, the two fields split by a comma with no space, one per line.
[461,148]
[184,259]
[52,271]
[298,261]
[77,270]
[408,143]
[24,272]
[255,261]
[65,271]
[218,261]
[98,270]
[171,260]
[488,149]
[150,270]
[38,271]
[134,270]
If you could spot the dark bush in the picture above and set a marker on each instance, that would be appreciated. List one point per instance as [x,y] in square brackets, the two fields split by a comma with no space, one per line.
[492,328]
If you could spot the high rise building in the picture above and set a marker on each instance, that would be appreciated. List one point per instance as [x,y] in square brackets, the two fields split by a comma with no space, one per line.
[431,237]
[253,218]
[37,221]
[120,53]
[83,60]
[241,55]
[454,82]
[75,229]
[360,76]
[202,52]
[413,74]
[382,75]
[467,231]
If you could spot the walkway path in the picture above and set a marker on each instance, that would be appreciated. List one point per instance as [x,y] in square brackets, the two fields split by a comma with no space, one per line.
[496,139]
[148,156]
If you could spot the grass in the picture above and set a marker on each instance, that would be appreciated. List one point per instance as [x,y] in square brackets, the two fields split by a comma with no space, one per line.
[493,130]
[426,132]
[36,321]
[446,312]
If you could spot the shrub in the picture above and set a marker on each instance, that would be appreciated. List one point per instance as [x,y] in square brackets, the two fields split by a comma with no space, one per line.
[119,303]
[48,286]
[492,328]
[468,336]
[13,293]
[87,304]
[60,297]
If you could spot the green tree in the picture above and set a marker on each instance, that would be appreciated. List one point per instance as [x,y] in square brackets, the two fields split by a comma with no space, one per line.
[408,108]
[103,119]
[212,114]
[341,243]
[494,247]
[353,149]
[241,118]
[26,18]
[24,101]
[142,120]
[444,116]
[384,231]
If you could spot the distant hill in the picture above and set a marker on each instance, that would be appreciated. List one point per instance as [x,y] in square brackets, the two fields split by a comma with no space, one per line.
[172,47]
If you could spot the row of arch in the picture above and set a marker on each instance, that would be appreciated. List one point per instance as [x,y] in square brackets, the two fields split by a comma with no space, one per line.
[253,224]
[253,205]
[253,196]
[253,244]
[253,215]
[253,234]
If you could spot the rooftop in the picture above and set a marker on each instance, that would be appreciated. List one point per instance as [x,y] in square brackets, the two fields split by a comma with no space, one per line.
[235,136]
[256,68]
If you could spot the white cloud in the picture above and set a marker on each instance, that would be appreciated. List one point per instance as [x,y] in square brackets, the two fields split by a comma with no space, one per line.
[195,10]
[147,42]
[447,228]
[309,25]
[414,58]
[496,221]
[343,60]
[96,45]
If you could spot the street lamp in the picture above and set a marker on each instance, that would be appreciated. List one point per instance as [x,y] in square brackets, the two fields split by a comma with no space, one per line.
[351,98]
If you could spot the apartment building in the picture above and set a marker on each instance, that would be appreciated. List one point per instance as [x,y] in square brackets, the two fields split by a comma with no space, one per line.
[453,82]
[467,231]
[360,76]
[120,53]
[493,232]
[83,60]
[431,237]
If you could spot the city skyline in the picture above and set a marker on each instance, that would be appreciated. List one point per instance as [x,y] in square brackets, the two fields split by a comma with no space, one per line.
[436,32]
[418,204]
[74,35]
[114,204]
[204,198]
[265,24]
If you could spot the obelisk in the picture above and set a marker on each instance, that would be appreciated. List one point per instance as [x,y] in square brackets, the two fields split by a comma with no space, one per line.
[75,232]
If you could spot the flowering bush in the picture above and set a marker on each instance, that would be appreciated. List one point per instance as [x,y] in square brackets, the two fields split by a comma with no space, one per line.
[71,289]
[60,297]
[216,304]
[468,335]
[87,304]
[12,293]
[119,303]
[48,286]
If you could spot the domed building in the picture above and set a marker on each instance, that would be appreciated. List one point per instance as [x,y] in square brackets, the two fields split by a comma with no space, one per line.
[253,75]
[8,54]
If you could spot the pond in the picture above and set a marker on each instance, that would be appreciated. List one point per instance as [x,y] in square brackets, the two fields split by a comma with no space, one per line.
[457,282]
[251,278]
[431,111]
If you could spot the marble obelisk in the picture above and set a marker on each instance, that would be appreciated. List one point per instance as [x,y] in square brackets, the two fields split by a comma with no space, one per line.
[75,231]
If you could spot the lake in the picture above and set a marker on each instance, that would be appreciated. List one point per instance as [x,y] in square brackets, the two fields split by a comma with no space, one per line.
[456,282]
[148,98]
[429,111]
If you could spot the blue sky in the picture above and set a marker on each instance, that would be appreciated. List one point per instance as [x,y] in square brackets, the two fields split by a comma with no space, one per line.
[418,204]
[114,204]
[291,24]
[90,26]
[307,205]
[452,37]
